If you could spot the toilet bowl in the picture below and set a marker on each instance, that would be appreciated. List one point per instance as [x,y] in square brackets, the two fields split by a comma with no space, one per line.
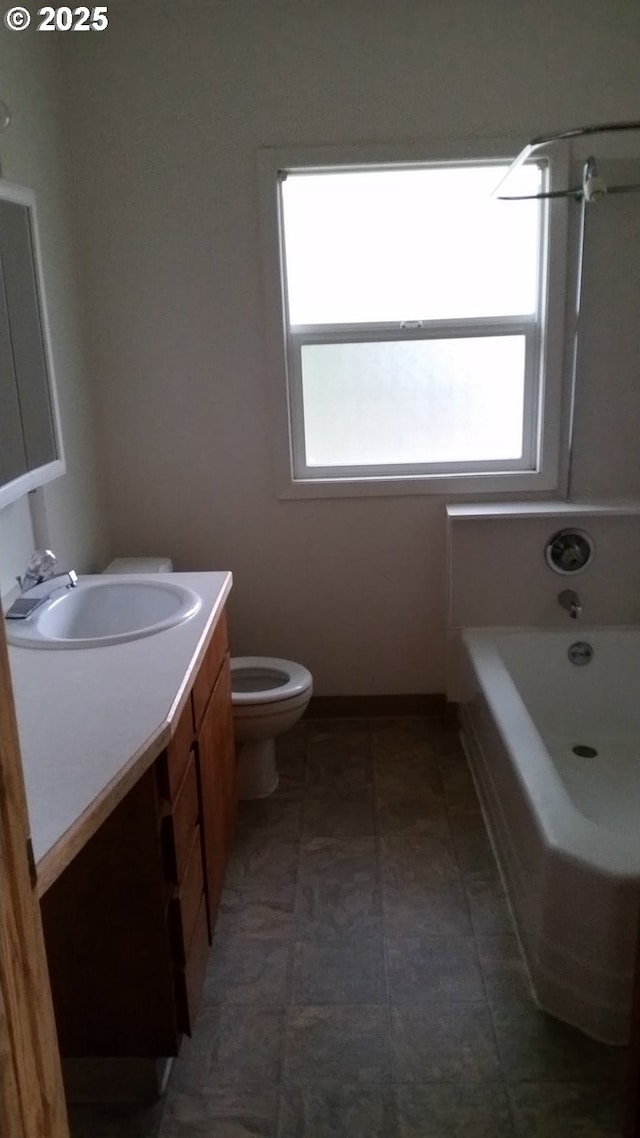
[268,696]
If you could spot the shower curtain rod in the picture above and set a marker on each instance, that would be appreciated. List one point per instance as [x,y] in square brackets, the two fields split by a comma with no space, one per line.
[561,136]
[592,188]
[590,181]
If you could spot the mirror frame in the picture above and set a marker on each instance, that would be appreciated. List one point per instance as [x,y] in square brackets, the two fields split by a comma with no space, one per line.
[40,475]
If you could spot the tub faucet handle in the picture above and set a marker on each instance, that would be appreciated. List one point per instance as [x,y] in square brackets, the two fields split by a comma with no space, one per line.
[570,601]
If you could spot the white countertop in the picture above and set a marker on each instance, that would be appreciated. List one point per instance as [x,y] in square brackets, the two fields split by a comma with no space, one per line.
[92,720]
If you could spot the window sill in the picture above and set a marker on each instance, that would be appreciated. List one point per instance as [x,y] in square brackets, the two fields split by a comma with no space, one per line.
[445,485]
[472,511]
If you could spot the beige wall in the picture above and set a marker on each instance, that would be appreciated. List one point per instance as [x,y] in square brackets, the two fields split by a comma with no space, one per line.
[165,112]
[34,152]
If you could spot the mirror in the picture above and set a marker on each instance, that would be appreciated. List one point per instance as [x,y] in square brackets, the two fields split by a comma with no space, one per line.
[30,439]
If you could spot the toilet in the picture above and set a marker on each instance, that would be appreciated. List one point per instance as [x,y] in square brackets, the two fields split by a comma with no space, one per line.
[268,696]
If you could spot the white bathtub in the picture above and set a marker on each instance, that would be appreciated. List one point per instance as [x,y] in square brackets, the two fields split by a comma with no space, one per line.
[565,829]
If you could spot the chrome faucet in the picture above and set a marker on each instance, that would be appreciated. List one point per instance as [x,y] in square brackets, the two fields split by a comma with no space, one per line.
[571,602]
[39,583]
[44,588]
[40,568]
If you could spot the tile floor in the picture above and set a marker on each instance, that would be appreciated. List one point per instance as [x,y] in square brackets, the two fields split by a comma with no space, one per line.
[365,980]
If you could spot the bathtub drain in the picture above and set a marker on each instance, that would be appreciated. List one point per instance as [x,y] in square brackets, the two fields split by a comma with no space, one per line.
[585,752]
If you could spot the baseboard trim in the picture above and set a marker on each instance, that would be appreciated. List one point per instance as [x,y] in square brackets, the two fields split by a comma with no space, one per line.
[370,706]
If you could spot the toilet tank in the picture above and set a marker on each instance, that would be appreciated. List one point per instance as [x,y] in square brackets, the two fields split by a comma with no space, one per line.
[140,565]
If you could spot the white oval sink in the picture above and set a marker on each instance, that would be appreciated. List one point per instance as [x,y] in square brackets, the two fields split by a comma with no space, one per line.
[102,611]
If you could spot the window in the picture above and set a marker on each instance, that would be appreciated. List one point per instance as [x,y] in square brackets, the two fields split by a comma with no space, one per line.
[415,349]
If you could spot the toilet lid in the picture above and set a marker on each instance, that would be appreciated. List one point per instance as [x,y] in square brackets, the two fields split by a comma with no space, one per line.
[266,679]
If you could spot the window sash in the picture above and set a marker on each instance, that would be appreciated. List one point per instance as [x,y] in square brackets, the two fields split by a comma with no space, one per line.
[488,169]
[300,335]
[554,315]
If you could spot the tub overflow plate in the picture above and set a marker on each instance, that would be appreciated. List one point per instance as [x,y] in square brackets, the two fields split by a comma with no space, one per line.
[580,653]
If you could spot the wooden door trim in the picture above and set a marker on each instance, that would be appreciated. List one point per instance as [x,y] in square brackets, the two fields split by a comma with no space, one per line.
[32,1103]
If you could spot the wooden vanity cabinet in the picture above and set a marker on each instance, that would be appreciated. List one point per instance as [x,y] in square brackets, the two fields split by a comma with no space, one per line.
[110,963]
[181,829]
[129,923]
[218,778]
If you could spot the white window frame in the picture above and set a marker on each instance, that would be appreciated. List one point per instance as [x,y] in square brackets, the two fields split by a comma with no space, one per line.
[538,470]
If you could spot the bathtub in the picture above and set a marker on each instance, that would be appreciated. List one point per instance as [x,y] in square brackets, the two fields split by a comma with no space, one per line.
[565,826]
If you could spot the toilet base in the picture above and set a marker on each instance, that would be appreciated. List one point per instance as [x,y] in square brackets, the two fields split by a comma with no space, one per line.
[257,776]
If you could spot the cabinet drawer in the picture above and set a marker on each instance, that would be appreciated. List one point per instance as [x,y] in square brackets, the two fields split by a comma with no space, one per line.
[180,825]
[208,672]
[178,753]
[190,979]
[183,910]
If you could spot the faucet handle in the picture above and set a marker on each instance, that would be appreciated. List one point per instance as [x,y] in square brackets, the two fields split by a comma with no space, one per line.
[40,566]
[42,561]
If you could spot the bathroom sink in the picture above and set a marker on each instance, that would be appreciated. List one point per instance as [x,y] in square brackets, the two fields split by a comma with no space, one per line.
[102,611]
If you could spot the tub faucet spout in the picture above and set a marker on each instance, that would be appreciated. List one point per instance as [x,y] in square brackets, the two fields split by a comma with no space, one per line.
[571,602]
